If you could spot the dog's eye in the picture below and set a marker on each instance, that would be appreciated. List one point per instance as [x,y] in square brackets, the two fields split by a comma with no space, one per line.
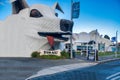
[56,14]
[35,13]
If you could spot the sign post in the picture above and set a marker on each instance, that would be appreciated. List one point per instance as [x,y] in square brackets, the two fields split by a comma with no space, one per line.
[71,46]
[75,8]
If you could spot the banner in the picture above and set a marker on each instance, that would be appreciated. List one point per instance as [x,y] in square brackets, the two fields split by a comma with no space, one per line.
[75,10]
[113,39]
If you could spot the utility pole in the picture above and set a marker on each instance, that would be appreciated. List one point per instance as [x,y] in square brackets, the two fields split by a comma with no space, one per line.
[71,46]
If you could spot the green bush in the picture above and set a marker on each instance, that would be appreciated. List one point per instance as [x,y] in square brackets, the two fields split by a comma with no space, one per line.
[105,53]
[65,54]
[35,54]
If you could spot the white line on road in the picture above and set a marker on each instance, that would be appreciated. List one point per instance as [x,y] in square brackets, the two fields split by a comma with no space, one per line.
[113,75]
[117,77]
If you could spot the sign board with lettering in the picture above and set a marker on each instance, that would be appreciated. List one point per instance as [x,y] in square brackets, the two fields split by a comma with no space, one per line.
[50,52]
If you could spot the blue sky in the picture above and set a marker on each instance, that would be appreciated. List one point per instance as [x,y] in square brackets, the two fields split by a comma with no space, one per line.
[103,15]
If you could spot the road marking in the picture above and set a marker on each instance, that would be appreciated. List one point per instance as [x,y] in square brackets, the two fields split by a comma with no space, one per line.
[118,77]
[114,76]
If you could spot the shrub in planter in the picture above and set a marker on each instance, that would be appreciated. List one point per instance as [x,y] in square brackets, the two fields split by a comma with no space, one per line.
[35,54]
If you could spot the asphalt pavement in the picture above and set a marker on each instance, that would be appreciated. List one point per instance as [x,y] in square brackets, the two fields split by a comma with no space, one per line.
[105,71]
[22,68]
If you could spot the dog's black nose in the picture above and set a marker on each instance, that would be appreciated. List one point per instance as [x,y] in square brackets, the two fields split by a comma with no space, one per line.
[66,25]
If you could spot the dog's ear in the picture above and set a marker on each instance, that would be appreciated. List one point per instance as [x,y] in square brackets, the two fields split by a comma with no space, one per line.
[18,5]
[57,6]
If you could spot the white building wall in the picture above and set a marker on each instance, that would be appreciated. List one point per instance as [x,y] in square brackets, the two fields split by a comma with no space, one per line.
[84,37]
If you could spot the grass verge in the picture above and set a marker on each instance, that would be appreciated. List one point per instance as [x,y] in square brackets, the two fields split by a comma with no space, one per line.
[107,53]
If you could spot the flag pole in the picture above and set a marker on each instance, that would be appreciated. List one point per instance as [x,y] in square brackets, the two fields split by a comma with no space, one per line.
[71,9]
[71,46]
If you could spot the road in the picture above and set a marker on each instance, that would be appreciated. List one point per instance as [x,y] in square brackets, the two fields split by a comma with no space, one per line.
[22,68]
[104,71]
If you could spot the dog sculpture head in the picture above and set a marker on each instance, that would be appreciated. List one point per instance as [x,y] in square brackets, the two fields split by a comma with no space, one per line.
[36,27]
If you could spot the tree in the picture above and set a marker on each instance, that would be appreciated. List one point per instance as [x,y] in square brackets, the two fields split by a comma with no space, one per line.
[107,37]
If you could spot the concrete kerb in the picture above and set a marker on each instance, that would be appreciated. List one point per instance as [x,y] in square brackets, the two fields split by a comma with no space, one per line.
[108,60]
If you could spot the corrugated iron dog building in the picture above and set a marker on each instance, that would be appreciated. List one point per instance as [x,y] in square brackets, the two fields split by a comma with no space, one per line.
[32,28]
